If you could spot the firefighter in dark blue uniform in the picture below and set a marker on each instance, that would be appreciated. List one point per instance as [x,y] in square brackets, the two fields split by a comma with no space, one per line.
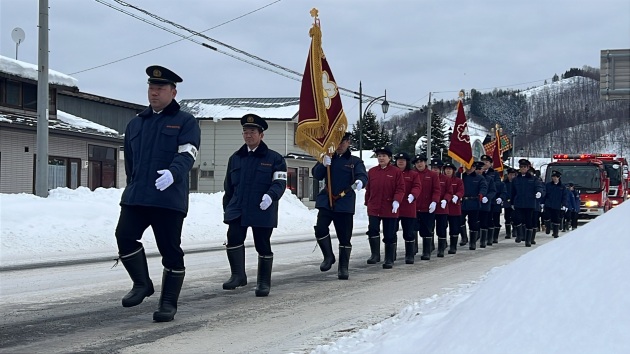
[486,228]
[507,203]
[475,190]
[255,181]
[525,191]
[161,145]
[574,206]
[348,176]
[555,202]
[538,210]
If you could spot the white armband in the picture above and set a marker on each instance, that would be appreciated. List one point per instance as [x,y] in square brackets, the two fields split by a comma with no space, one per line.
[280,175]
[189,148]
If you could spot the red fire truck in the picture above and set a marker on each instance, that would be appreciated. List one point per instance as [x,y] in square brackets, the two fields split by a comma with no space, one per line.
[588,173]
[617,170]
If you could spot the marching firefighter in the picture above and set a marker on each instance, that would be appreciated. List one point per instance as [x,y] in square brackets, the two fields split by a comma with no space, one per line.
[441,212]
[507,204]
[574,206]
[497,205]
[539,210]
[348,176]
[384,192]
[525,191]
[454,206]
[161,145]
[555,202]
[486,226]
[407,209]
[426,204]
[475,190]
[254,183]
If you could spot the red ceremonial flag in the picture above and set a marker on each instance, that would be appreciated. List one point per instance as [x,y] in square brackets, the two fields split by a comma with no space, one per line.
[460,149]
[497,163]
[322,122]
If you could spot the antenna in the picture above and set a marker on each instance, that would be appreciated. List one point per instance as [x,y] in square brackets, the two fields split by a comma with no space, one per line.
[18,36]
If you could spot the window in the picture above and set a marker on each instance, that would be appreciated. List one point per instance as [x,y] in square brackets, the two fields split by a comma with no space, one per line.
[194,179]
[102,170]
[207,174]
[13,95]
[29,96]
[62,172]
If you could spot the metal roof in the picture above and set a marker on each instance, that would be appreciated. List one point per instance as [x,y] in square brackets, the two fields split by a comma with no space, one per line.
[274,108]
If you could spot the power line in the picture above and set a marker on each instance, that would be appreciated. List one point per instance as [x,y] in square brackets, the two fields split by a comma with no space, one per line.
[179,40]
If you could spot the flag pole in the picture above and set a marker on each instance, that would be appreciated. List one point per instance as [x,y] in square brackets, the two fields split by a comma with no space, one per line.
[329,185]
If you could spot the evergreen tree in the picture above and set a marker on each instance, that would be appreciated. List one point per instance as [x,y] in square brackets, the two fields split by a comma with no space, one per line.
[408,144]
[555,78]
[373,134]
[439,142]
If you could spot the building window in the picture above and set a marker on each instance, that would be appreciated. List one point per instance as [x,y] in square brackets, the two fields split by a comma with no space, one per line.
[207,174]
[292,179]
[62,172]
[29,96]
[13,95]
[194,179]
[101,167]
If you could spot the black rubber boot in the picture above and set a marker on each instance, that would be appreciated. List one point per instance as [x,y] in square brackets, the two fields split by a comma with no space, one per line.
[432,243]
[534,236]
[473,240]
[565,225]
[263,283]
[556,228]
[236,257]
[518,229]
[529,233]
[375,248]
[344,260]
[426,248]
[508,231]
[464,234]
[483,240]
[490,236]
[441,247]
[172,281]
[415,246]
[409,252]
[136,265]
[389,256]
[495,237]
[547,227]
[325,245]
[453,245]
[395,250]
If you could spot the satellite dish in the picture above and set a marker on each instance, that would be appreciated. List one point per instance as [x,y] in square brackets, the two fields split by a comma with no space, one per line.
[18,35]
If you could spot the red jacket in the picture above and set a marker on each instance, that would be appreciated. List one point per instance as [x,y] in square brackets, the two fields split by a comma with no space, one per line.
[384,186]
[413,187]
[430,190]
[446,193]
[455,209]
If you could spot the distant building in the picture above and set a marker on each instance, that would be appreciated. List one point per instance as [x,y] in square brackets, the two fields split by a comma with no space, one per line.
[221,136]
[81,152]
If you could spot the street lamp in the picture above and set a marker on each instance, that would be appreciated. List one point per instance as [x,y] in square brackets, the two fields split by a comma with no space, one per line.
[384,107]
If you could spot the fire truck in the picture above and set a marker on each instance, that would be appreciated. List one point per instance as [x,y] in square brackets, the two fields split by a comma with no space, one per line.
[588,174]
[617,171]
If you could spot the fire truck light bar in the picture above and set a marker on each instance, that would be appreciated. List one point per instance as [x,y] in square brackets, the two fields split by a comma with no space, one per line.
[583,156]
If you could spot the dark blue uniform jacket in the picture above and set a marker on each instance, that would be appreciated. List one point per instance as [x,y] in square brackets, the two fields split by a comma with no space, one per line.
[248,178]
[507,202]
[474,185]
[344,170]
[524,191]
[501,193]
[151,144]
[556,196]
[489,175]
[574,200]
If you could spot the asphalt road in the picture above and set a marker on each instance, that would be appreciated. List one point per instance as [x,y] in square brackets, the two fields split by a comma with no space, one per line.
[76,307]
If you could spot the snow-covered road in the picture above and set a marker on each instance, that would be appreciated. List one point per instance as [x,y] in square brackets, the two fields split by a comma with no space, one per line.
[77,308]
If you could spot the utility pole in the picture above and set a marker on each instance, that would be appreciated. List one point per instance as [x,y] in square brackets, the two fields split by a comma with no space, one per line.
[429,129]
[513,147]
[41,165]
[360,120]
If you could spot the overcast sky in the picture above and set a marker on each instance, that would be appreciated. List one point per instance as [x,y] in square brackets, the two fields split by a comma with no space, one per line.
[408,47]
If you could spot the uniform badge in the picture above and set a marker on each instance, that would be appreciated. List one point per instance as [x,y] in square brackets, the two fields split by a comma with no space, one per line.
[250,119]
[157,73]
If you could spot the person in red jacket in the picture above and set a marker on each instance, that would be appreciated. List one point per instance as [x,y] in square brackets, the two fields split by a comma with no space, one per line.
[407,210]
[454,206]
[426,204]
[441,212]
[384,193]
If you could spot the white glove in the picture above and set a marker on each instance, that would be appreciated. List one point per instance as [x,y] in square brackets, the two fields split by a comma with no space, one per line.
[542,206]
[326,161]
[538,195]
[266,202]
[395,206]
[443,204]
[410,198]
[358,184]
[455,199]
[564,209]
[484,200]
[165,180]
[499,200]
[432,207]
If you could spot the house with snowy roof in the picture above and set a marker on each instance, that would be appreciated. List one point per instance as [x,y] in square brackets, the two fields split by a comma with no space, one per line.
[85,132]
[219,119]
